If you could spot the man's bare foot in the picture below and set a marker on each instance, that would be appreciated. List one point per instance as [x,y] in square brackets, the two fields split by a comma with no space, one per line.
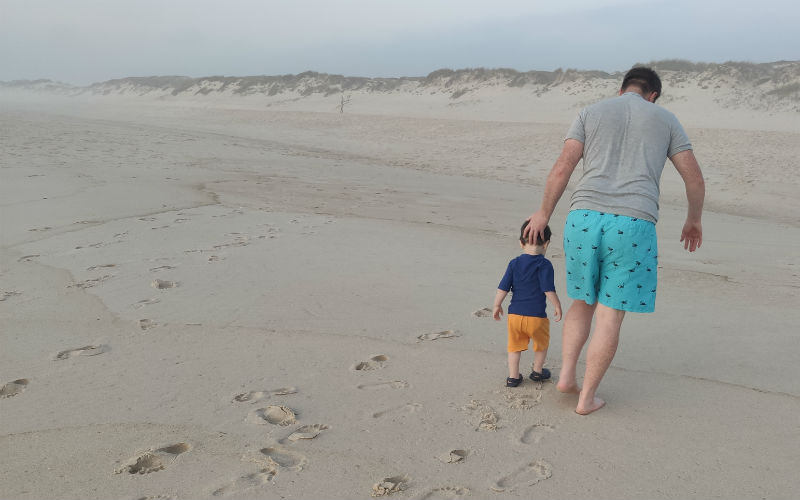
[595,405]
[568,388]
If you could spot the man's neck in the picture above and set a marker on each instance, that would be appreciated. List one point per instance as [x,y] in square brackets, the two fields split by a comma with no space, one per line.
[634,90]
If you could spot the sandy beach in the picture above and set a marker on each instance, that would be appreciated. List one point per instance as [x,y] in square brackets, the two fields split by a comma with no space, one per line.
[222,298]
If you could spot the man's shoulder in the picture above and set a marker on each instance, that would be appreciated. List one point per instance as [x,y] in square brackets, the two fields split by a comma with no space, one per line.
[618,104]
[604,103]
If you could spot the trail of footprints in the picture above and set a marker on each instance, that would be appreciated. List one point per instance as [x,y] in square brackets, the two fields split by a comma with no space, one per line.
[18,386]
[280,456]
[273,459]
[486,418]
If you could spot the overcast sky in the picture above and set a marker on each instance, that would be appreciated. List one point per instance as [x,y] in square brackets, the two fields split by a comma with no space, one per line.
[85,41]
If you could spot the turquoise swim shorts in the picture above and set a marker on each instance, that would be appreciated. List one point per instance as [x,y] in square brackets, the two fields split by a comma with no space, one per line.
[612,259]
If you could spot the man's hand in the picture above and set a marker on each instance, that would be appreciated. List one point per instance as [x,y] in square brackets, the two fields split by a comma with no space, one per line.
[692,235]
[498,312]
[686,164]
[536,224]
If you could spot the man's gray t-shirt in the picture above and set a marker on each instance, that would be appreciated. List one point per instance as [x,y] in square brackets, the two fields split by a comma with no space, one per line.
[626,141]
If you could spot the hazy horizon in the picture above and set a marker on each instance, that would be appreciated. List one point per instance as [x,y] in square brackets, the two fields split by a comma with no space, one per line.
[88,41]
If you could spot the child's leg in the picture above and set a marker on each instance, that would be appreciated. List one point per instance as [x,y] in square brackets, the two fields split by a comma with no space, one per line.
[541,341]
[513,364]
[517,342]
[538,360]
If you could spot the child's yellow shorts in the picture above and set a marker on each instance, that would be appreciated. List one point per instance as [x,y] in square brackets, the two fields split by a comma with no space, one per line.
[522,329]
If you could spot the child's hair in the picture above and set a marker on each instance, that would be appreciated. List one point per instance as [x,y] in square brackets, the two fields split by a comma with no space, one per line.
[539,240]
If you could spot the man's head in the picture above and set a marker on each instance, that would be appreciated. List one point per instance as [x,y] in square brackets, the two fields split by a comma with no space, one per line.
[539,242]
[645,80]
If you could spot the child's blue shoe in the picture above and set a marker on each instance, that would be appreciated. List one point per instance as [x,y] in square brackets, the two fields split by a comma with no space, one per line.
[513,382]
[538,377]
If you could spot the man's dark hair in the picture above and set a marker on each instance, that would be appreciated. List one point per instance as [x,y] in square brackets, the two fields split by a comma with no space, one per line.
[644,78]
[539,240]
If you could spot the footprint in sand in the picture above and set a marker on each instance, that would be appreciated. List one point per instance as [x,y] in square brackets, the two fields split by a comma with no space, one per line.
[374,363]
[284,458]
[394,384]
[13,388]
[256,396]
[454,456]
[164,284]
[521,400]
[447,334]
[240,240]
[273,414]
[83,285]
[307,432]
[28,258]
[483,313]
[101,266]
[535,433]
[145,302]
[487,416]
[247,482]
[154,460]
[283,391]
[146,324]
[251,397]
[89,350]
[527,475]
[5,295]
[390,485]
[161,268]
[406,408]
[446,493]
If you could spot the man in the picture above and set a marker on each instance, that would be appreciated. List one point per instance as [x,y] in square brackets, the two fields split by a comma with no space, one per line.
[609,236]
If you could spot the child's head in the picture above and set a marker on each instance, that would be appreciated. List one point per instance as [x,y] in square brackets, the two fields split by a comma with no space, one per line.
[539,241]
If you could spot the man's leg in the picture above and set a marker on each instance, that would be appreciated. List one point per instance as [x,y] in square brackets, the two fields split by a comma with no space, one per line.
[601,351]
[577,323]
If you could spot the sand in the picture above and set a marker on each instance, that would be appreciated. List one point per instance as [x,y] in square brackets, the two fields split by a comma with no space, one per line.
[237,301]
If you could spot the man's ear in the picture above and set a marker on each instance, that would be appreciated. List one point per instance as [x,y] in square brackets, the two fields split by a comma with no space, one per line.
[652,97]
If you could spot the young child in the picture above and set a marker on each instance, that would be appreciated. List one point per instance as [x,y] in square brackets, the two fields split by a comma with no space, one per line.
[530,279]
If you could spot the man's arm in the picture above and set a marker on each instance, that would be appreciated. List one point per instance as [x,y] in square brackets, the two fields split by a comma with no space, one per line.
[686,165]
[554,187]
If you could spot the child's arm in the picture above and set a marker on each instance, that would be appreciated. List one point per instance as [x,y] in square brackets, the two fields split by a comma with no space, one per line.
[499,297]
[553,298]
